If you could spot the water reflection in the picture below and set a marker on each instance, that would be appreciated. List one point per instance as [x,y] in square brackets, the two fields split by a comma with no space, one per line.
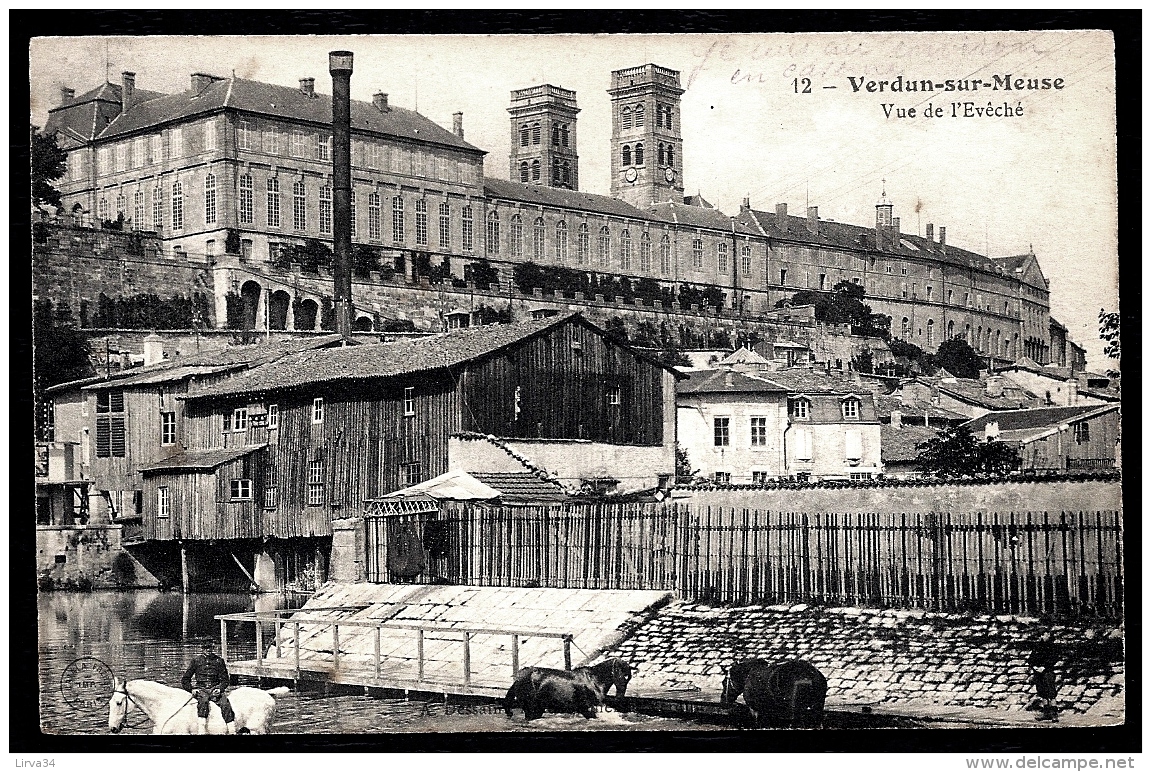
[150,634]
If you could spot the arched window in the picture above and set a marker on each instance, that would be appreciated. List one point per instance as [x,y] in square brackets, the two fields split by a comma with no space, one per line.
[120,198]
[661,154]
[978,337]
[556,134]
[625,250]
[210,198]
[564,135]
[493,233]
[555,172]
[177,206]
[626,157]
[524,171]
[746,257]
[535,170]
[625,118]
[639,154]
[721,256]
[535,133]
[645,252]
[538,240]
[583,244]
[996,342]
[639,116]
[524,135]
[567,173]
[670,155]
[561,242]
[102,209]
[659,116]
[603,247]
[950,330]
[930,333]
[665,255]
[516,237]
[905,329]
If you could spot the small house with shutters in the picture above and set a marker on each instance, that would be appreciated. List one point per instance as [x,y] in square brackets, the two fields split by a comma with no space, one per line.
[282,450]
[1072,438]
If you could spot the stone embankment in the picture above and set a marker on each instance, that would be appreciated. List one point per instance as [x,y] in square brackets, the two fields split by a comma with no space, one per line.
[889,659]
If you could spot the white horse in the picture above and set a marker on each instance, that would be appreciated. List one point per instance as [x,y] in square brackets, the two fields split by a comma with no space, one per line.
[173,711]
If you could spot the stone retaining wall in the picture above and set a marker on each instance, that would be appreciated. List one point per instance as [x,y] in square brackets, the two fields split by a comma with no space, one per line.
[888,657]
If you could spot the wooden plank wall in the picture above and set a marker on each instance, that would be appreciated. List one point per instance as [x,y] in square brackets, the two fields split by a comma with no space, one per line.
[1061,563]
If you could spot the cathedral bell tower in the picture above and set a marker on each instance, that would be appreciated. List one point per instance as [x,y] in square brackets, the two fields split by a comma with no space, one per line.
[646,146]
[543,148]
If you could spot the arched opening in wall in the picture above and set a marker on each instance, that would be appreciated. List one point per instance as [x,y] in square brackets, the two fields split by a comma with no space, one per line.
[250,294]
[306,314]
[950,330]
[278,310]
[363,324]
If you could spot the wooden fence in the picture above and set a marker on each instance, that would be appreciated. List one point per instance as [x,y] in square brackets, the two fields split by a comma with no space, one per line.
[1064,563]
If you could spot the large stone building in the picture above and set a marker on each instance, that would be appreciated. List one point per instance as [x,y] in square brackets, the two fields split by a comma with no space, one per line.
[236,175]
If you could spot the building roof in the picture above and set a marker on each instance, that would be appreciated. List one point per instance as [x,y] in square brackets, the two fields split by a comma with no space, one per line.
[819,381]
[542,195]
[521,485]
[726,382]
[974,392]
[276,101]
[886,403]
[200,460]
[84,117]
[145,376]
[899,444]
[855,237]
[388,360]
[743,356]
[695,216]
[1038,417]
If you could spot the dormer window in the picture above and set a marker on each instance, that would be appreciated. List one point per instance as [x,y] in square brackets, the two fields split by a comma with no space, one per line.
[851,408]
[799,407]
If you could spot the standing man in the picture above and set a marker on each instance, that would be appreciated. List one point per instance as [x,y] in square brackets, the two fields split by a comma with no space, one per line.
[211,682]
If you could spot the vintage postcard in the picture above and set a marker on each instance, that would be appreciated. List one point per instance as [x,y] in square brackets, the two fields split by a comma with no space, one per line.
[554,383]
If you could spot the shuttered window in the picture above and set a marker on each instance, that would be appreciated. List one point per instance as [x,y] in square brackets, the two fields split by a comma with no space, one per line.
[111,440]
[803,445]
[853,442]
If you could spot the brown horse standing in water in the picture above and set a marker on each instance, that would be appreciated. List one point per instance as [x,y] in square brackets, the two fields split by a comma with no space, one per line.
[786,694]
[582,690]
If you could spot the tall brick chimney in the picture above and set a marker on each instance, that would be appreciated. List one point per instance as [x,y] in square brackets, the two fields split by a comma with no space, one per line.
[66,95]
[340,67]
[895,226]
[781,216]
[813,219]
[380,101]
[458,124]
[942,238]
[930,232]
[308,86]
[127,91]
[201,81]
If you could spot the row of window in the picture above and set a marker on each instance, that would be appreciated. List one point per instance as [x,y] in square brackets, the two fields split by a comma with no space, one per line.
[632,116]
[561,171]
[530,134]
[142,151]
[985,340]
[759,477]
[633,155]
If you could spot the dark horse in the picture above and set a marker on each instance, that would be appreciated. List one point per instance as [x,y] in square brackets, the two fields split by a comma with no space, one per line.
[787,694]
[582,690]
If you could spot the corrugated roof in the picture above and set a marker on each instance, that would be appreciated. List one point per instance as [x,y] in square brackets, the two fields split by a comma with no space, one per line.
[727,382]
[281,102]
[542,195]
[200,460]
[383,360]
[1037,418]
[899,444]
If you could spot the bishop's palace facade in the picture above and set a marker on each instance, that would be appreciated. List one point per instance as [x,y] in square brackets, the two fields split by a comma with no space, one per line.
[234,174]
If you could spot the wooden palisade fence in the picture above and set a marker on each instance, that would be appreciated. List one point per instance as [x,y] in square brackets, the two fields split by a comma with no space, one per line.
[1064,563]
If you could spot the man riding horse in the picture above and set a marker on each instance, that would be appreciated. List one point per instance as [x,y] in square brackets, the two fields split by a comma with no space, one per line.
[211,682]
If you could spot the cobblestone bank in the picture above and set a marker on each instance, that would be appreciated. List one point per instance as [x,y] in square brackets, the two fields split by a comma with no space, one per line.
[873,656]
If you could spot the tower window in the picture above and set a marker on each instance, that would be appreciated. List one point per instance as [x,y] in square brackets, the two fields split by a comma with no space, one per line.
[639,154]
[535,170]
[524,171]
[567,173]
[670,156]
[535,133]
[625,118]
[555,134]
[524,135]
[556,172]
[626,155]
[564,135]
[639,116]
[661,155]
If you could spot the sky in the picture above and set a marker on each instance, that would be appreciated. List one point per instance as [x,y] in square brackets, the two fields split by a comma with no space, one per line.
[1042,180]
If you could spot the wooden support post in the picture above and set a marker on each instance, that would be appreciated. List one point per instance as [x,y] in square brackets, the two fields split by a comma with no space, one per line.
[335,646]
[224,639]
[420,654]
[259,644]
[297,631]
[377,652]
[185,580]
[279,629]
[467,659]
[567,652]
[515,655]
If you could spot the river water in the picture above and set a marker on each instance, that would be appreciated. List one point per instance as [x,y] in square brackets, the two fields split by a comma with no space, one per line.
[153,635]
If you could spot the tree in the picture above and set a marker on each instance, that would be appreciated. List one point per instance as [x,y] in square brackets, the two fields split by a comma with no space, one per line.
[843,305]
[958,358]
[1109,332]
[955,452]
[684,474]
[48,165]
[61,353]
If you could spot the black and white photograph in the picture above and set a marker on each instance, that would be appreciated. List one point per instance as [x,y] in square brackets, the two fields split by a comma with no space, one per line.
[757,385]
